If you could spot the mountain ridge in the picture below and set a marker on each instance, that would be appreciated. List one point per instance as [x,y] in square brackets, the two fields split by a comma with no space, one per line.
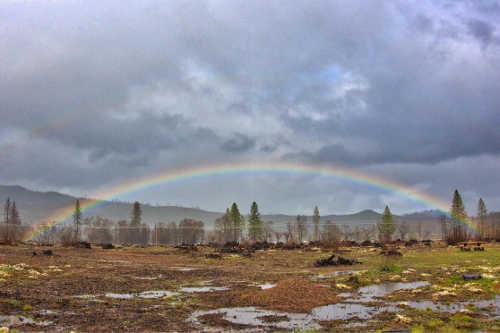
[36,206]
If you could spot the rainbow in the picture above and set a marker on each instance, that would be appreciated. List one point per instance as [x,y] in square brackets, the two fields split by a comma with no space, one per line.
[169,176]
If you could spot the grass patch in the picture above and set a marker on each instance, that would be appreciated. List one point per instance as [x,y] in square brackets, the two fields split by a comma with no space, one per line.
[14,302]
[393,268]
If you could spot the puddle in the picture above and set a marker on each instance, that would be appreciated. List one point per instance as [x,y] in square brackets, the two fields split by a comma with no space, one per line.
[267,286]
[338,273]
[48,312]
[454,307]
[55,313]
[185,269]
[202,289]
[146,277]
[254,316]
[371,292]
[86,296]
[15,321]
[145,294]
[344,311]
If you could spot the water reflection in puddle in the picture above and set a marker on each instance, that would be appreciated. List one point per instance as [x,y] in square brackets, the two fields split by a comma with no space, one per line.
[252,316]
[145,294]
[454,307]
[346,310]
[267,286]
[370,293]
[202,289]
[338,273]
[184,269]
[16,321]
[343,311]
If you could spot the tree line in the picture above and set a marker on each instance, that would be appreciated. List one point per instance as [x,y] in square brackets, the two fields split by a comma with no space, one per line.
[456,226]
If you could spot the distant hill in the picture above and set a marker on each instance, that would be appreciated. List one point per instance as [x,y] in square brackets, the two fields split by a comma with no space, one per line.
[37,206]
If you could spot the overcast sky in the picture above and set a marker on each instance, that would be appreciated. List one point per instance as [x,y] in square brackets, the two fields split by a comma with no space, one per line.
[98,93]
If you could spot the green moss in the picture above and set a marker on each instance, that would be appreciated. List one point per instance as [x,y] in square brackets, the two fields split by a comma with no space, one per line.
[391,269]
[417,329]
[14,302]
[461,320]
[27,308]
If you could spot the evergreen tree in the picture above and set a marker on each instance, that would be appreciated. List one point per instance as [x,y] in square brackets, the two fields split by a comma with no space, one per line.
[238,222]
[254,223]
[136,217]
[77,219]
[459,217]
[386,227]
[14,215]
[316,223]
[481,216]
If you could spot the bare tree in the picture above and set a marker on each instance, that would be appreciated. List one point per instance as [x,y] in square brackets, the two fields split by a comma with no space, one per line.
[331,234]
[301,227]
[403,229]
[290,232]
[268,230]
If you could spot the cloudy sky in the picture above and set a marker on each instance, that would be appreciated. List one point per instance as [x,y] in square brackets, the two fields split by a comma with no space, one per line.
[99,93]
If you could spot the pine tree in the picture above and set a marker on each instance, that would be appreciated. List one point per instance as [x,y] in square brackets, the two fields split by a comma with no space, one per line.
[136,217]
[238,222]
[481,216]
[316,218]
[254,223]
[386,227]
[77,219]
[459,217]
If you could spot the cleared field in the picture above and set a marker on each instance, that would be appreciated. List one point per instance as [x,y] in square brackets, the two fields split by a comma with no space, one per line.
[158,289]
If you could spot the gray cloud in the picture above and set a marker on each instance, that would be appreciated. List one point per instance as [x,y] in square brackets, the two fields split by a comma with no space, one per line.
[238,143]
[481,30]
[98,93]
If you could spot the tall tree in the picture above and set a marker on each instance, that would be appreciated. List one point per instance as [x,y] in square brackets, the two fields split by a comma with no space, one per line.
[6,211]
[386,227]
[14,215]
[404,229]
[301,227]
[316,218]
[482,214]
[136,217]
[268,230]
[459,217]
[331,233]
[238,222]
[77,219]
[254,223]
[290,232]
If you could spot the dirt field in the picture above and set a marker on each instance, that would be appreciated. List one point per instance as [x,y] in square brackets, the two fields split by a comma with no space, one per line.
[158,289]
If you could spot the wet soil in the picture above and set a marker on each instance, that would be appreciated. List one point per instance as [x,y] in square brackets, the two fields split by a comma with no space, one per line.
[168,289]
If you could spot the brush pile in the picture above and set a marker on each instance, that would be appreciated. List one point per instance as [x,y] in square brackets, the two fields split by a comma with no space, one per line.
[330,261]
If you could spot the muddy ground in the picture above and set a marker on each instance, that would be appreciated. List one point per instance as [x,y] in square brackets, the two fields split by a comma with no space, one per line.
[158,289]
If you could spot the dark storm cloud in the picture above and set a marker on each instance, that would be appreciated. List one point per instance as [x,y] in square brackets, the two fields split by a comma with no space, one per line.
[481,30]
[238,143]
[136,89]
